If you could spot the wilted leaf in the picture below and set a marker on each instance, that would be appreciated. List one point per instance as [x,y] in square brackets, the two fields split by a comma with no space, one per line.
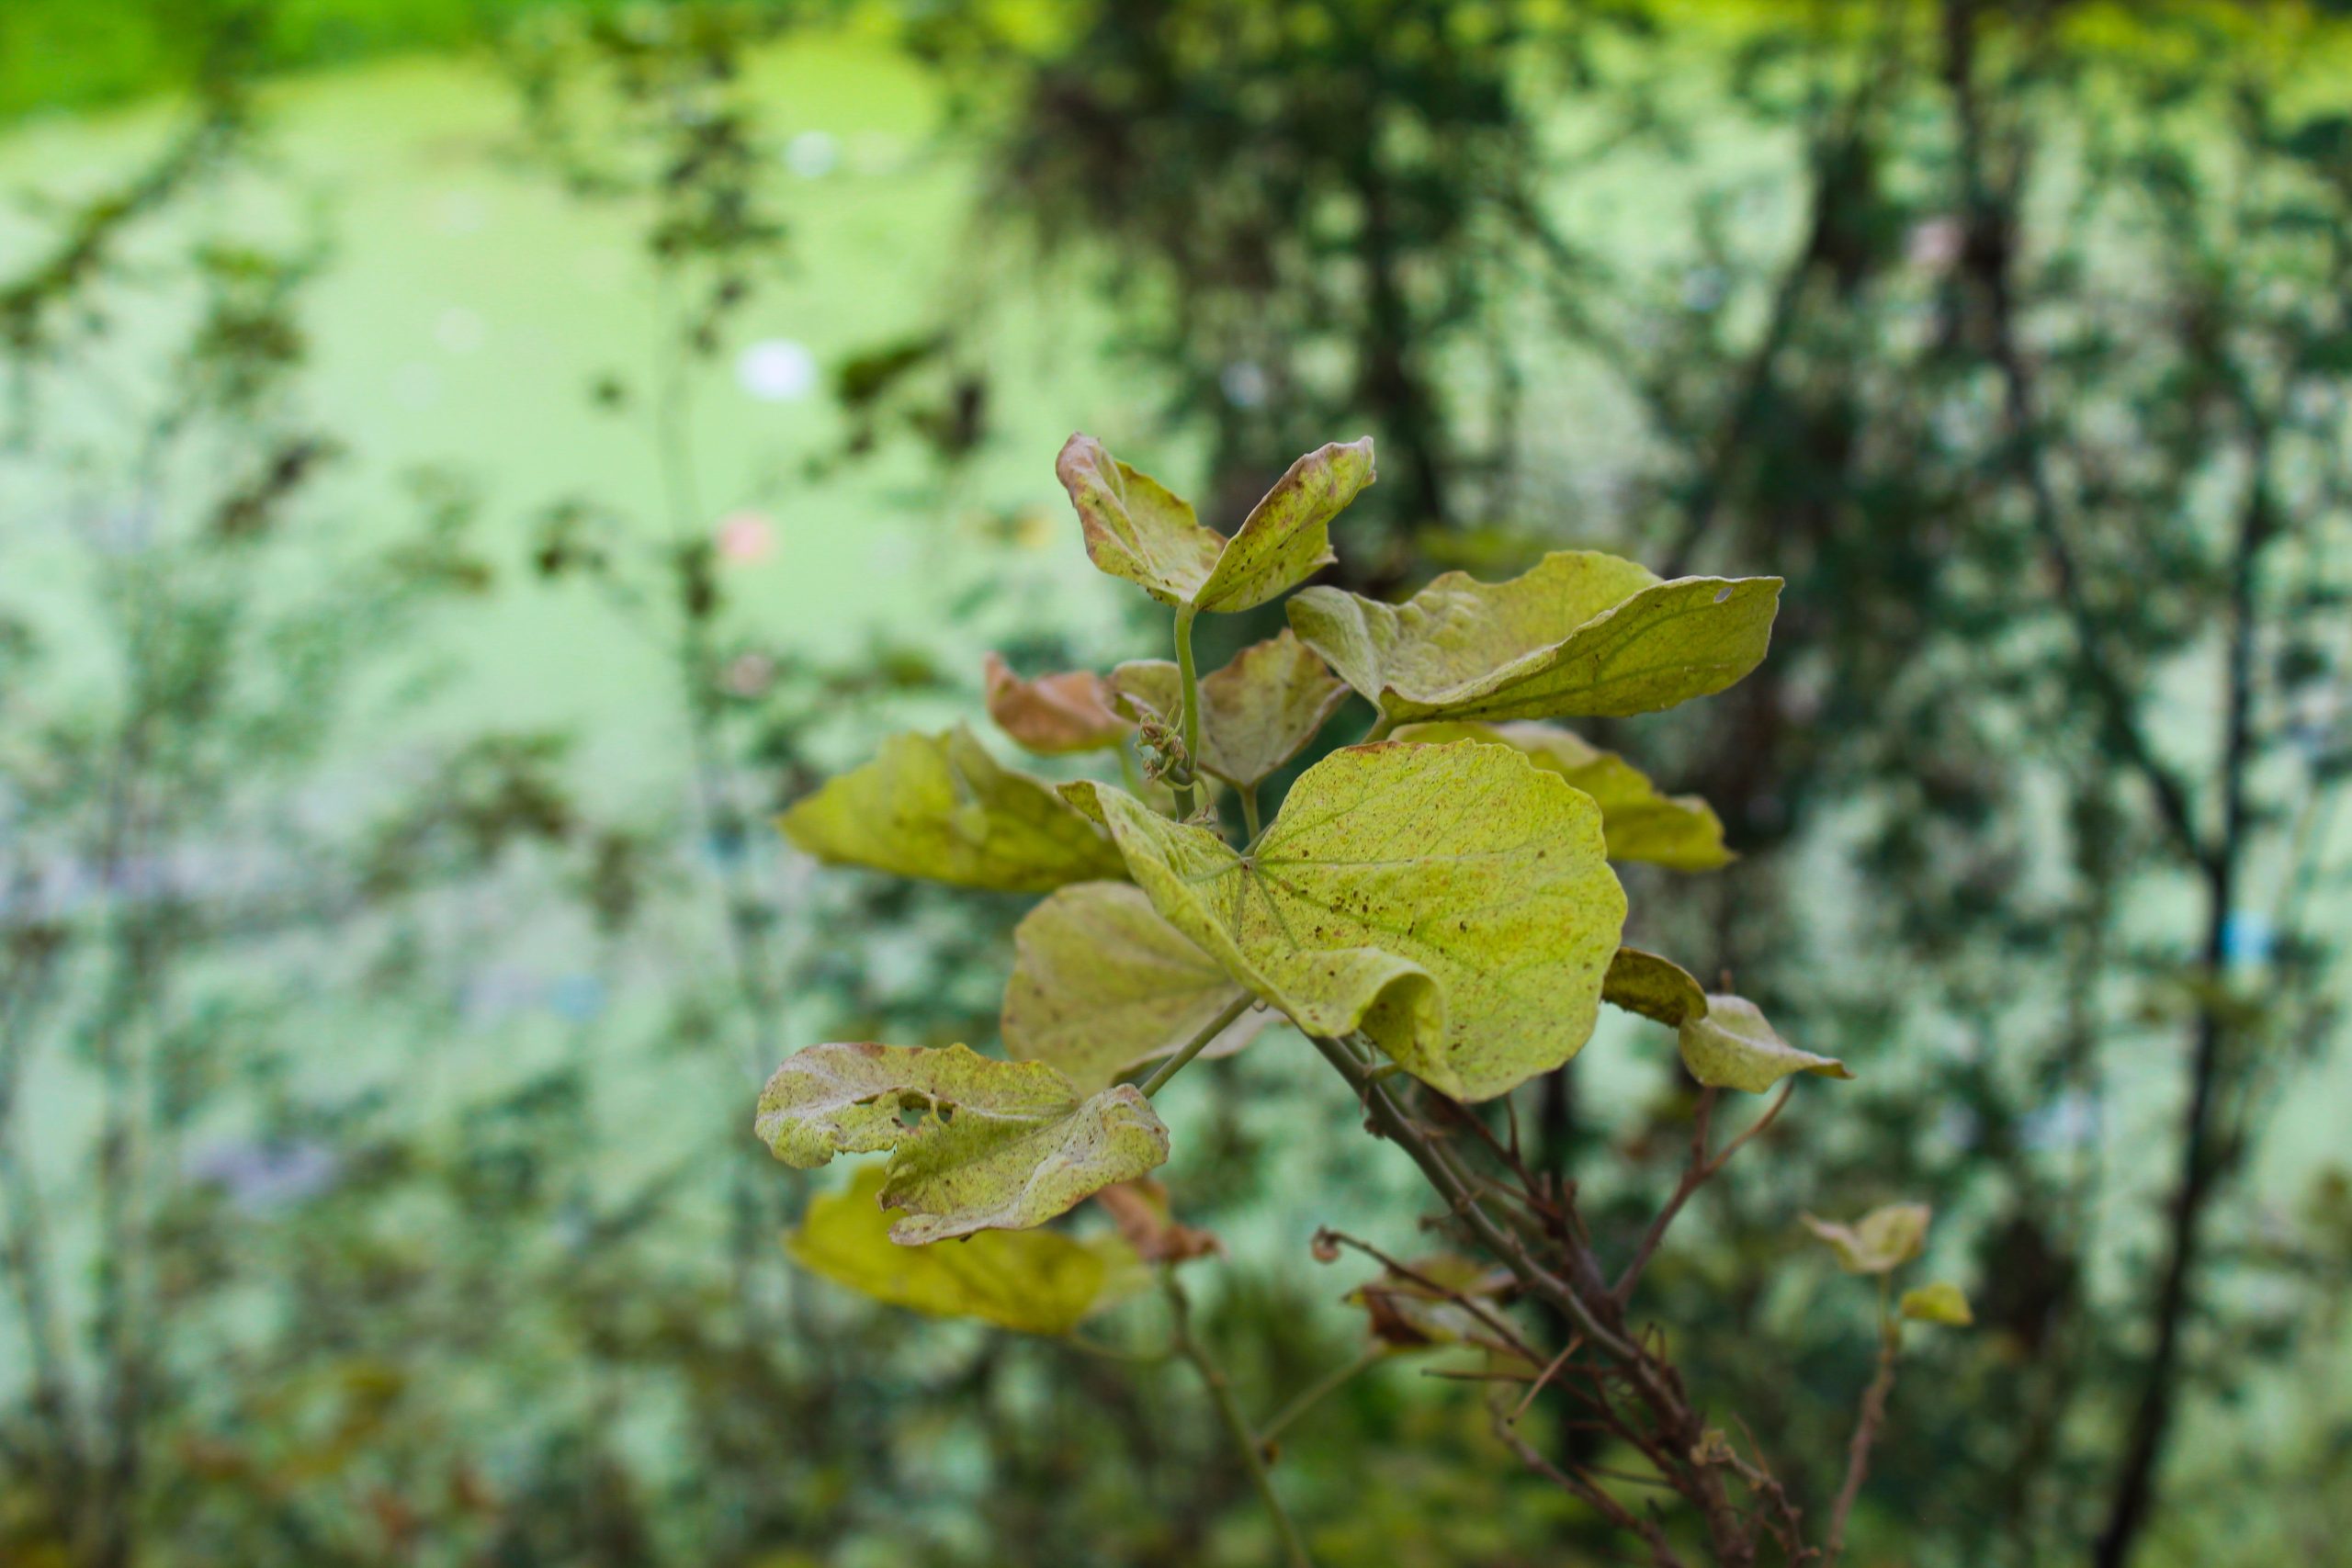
[1430,1311]
[940,806]
[975,1144]
[1257,712]
[1939,1302]
[1031,1281]
[1053,715]
[1102,985]
[1581,634]
[1140,1209]
[1453,902]
[1679,832]
[1656,988]
[1732,1046]
[1880,1241]
[1136,529]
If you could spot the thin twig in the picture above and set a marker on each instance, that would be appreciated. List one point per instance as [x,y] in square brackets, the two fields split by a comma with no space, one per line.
[1199,1043]
[1697,1174]
[1228,1411]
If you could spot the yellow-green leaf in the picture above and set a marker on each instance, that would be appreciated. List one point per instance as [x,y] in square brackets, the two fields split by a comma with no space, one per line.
[975,1144]
[1257,712]
[1101,985]
[1031,1281]
[1726,1041]
[1679,832]
[1136,528]
[1880,1241]
[1730,1045]
[1656,988]
[940,806]
[1053,715]
[1941,1302]
[1454,903]
[1582,633]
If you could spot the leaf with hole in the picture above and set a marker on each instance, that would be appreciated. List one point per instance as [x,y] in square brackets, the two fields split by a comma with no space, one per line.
[1680,832]
[1136,528]
[1030,1281]
[1256,714]
[1454,903]
[1053,715]
[975,1144]
[1102,985]
[939,806]
[1581,633]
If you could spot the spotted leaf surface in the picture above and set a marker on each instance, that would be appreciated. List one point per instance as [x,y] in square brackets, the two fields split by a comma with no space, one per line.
[1641,822]
[1136,529]
[1454,903]
[975,1144]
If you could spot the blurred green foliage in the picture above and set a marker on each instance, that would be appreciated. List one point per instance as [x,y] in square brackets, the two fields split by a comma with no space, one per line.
[375,1088]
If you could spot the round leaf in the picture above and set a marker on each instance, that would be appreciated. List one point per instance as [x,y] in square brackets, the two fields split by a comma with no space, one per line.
[1680,832]
[1453,902]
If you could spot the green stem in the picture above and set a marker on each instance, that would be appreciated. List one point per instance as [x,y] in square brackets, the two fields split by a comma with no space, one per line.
[1249,812]
[1379,730]
[1322,1388]
[1189,724]
[1237,1426]
[1195,1046]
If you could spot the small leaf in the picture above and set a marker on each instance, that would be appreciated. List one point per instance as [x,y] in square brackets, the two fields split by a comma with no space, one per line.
[1053,715]
[1102,985]
[1656,988]
[1136,529]
[1680,831]
[1582,633]
[1428,1312]
[1939,1302]
[1140,1209]
[1453,902]
[1135,526]
[1257,712]
[975,1144]
[940,806]
[1030,1281]
[1730,1045]
[1880,1241]
[1286,537]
